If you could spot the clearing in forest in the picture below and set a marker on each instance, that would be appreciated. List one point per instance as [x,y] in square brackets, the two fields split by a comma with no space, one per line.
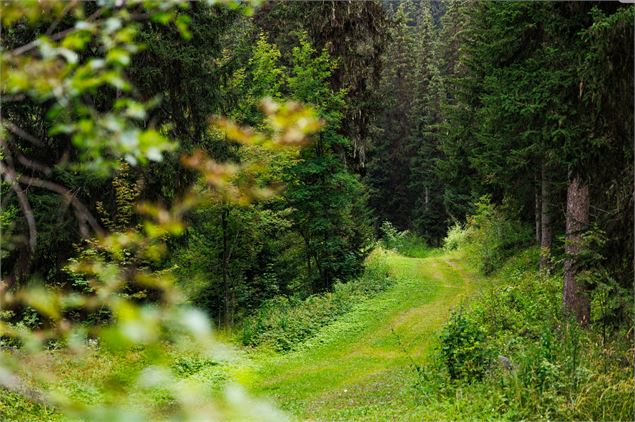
[359,367]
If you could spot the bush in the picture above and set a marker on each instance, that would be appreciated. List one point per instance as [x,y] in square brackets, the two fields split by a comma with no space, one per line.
[549,368]
[456,238]
[403,242]
[283,323]
[463,348]
[490,236]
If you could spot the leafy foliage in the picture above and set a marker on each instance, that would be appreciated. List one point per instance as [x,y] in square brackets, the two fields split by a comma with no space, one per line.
[463,350]
[403,242]
[456,238]
[547,367]
[314,234]
[284,323]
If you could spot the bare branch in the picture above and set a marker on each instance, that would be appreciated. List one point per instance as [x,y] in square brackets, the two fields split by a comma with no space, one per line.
[68,7]
[11,177]
[34,165]
[81,211]
[25,161]
[56,37]
[21,133]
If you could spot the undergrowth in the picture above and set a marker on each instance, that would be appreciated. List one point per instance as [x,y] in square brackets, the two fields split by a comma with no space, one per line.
[283,323]
[404,242]
[489,237]
[510,352]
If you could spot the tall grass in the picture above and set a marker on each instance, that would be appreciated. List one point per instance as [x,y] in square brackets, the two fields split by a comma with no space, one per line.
[283,323]
[511,353]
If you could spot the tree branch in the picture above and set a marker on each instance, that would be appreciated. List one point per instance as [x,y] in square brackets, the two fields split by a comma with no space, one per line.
[11,177]
[84,216]
[58,36]
[21,133]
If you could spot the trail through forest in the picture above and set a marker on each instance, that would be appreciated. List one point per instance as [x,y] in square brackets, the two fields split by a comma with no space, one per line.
[360,366]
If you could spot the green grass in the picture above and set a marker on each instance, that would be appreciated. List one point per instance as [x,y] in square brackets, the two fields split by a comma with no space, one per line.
[356,367]
[284,323]
[360,363]
[359,366]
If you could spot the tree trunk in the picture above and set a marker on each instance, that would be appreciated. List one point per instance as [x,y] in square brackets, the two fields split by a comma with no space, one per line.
[546,235]
[575,294]
[307,247]
[227,298]
[537,211]
[427,198]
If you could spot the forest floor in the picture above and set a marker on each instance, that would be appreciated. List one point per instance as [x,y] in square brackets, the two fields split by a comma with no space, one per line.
[360,366]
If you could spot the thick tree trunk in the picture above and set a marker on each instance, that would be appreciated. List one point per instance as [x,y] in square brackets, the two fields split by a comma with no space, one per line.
[546,235]
[575,294]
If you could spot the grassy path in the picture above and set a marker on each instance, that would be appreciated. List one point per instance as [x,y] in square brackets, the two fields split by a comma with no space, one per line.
[358,367]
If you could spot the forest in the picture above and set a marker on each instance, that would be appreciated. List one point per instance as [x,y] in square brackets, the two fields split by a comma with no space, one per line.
[244,210]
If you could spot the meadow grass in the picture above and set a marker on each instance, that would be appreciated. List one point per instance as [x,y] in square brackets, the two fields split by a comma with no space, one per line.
[359,367]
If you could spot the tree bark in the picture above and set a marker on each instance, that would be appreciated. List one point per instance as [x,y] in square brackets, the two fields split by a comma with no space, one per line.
[546,235]
[427,198]
[575,295]
[537,211]
[224,215]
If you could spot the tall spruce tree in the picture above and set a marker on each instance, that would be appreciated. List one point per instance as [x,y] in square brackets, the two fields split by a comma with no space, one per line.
[328,201]
[429,217]
[461,184]
[389,170]
[403,175]
[534,121]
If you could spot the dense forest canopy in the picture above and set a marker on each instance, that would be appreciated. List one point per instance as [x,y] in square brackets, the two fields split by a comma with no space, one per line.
[229,160]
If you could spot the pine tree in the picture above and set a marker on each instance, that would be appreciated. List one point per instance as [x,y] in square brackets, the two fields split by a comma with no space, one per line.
[389,171]
[428,215]
[328,201]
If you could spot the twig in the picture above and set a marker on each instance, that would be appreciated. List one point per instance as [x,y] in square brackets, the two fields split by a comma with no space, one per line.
[68,7]
[11,177]
[30,46]
[21,133]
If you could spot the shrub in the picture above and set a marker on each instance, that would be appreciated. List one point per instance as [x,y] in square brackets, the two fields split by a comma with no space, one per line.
[456,237]
[463,348]
[493,235]
[283,323]
[404,242]
[554,369]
